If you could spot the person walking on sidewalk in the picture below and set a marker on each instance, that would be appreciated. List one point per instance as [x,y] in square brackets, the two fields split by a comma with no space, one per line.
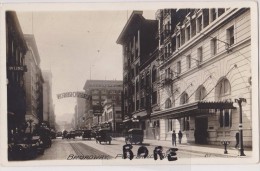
[173,138]
[237,139]
[180,136]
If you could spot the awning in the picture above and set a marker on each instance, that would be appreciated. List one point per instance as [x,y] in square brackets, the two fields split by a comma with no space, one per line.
[140,114]
[192,109]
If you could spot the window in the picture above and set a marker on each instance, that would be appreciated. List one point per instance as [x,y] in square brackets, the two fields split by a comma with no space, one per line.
[193,27]
[187,33]
[182,36]
[154,97]
[223,89]
[230,36]
[154,74]
[225,118]
[221,11]
[213,44]
[178,41]
[168,103]
[168,73]
[142,82]
[179,67]
[174,44]
[142,103]
[213,13]
[188,61]
[205,17]
[137,104]
[200,54]
[137,86]
[184,98]
[199,24]
[200,93]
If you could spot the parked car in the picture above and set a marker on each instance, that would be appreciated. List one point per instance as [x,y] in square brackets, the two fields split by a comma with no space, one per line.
[87,134]
[37,141]
[103,135]
[59,134]
[134,136]
[53,134]
[23,149]
[78,133]
[71,135]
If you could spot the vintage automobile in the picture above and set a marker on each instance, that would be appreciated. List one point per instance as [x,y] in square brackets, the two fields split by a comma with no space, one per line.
[38,143]
[87,134]
[134,136]
[70,135]
[53,134]
[103,135]
[25,148]
[59,134]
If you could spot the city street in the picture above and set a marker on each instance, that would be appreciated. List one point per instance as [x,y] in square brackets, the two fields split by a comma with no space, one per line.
[63,149]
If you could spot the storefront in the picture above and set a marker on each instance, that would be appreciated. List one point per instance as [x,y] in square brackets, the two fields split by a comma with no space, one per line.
[200,122]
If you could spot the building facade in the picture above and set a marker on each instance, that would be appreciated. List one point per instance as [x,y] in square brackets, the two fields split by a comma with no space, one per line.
[48,107]
[139,39]
[16,49]
[79,116]
[204,65]
[33,82]
[98,91]
[112,116]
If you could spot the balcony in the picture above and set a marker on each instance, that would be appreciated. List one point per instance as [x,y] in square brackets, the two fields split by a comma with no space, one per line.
[166,79]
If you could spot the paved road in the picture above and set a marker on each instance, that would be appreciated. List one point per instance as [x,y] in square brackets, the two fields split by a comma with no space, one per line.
[71,150]
[76,148]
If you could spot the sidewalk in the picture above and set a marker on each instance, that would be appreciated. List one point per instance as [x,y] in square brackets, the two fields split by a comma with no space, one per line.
[207,150]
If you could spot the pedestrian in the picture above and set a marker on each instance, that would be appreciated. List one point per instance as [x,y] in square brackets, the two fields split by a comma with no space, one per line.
[180,136]
[237,139]
[173,138]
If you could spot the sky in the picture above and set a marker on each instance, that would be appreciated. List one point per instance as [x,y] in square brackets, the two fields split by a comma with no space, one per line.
[74,44]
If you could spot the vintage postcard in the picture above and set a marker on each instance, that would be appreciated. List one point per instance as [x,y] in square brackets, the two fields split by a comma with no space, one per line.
[142,83]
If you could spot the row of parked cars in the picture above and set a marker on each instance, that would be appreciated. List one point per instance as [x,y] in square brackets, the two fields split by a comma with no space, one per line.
[133,136]
[28,146]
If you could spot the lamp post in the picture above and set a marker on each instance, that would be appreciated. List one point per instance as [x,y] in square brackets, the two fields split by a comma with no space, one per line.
[241,148]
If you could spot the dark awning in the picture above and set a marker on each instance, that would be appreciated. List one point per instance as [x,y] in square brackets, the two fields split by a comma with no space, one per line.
[191,109]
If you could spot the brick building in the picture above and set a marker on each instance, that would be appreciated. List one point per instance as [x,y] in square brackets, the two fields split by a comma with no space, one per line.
[99,91]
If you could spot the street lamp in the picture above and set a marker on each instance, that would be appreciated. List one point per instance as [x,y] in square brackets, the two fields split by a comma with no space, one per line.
[240,101]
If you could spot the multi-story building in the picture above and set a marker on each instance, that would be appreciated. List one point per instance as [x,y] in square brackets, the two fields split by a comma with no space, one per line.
[139,39]
[204,65]
[80,113]
[99,91]
[16,49]
[112,116]
[33,82]
[48,107]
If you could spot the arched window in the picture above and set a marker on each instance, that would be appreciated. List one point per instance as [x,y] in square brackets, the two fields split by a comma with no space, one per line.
[154,74]
[168,103]
[200,93]
[184,98]
[223,89]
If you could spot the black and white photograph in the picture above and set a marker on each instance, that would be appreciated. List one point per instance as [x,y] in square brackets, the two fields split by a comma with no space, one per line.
[159,85]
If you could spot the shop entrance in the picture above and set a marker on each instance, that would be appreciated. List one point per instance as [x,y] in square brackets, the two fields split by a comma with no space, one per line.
[201,133]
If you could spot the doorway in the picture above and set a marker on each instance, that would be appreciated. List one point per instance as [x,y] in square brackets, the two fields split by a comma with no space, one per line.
[201,133]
